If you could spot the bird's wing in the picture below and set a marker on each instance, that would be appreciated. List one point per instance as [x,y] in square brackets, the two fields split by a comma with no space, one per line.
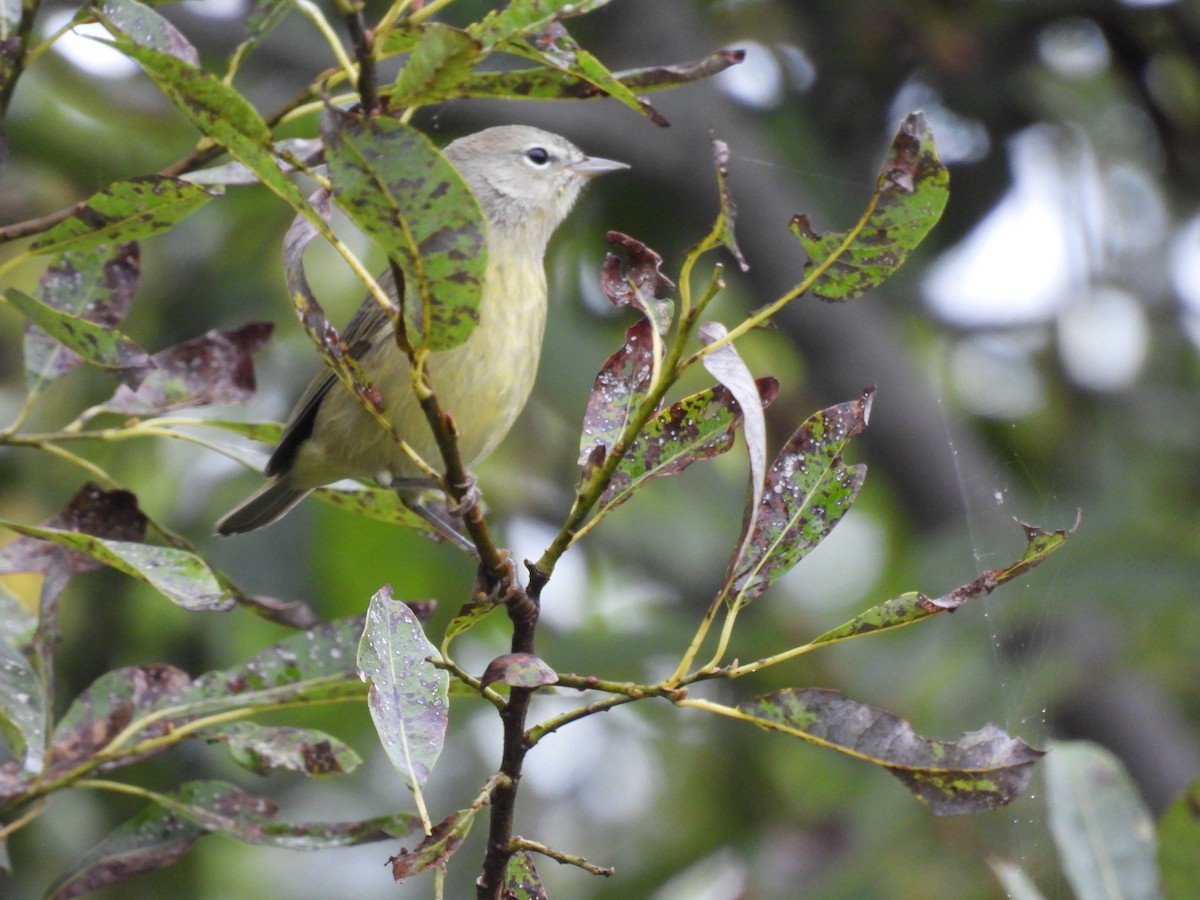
[365,328]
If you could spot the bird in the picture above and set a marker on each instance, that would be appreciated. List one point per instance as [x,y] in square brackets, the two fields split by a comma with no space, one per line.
[526,181]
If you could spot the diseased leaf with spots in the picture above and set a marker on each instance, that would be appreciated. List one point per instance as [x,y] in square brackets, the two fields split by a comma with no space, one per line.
[213,368]
[519,670]
[521,880]
[438,63]
[375,503]
[469,615]
[912,192]
[95,286]
[104,348]
[263,748]
[526,18]
[697,427]
[913,606]
[435,849]
[408,695]
[142,24]
[394,184]
[981,771]
[23,699]
[125,211]
[807,490]
[640,283]
[620,387]
[182,577]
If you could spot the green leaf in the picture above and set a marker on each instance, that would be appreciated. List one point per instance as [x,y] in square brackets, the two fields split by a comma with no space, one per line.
[469,615]
[807,491]
[394,184]
[94,285]
[526,18]
[1178,842]
[23,707]
[125,211]
[697,427]
[408,694]
[437,848]
[102,347]
[441,60]
[262,20]
[142,24]
[221,113]
[1103,831]
[263,432]
[982,770]
[375,503]
[912,192]
[263,748]
[915,606]
[182,577]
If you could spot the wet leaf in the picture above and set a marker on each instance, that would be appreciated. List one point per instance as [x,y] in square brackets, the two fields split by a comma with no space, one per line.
[408,694]
[543,83]
[394,184]
[1101,826]
[807,490]
[93,285]
[908,201]
[17,623]
[214,368]
[182,577]
[263,748]
[142,24]
[521,880]
[982,770]
[23,706]
[165,831]
[522,18]
[435,849]
[914,606]
[522,670]
[697,427]
[109,705]
[1178,838]
[640,283]
[619,389]
[727,367]
[438,63]
[124,211]
[102,347]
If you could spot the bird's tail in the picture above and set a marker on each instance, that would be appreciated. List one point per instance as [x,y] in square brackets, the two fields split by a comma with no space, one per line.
[266,505]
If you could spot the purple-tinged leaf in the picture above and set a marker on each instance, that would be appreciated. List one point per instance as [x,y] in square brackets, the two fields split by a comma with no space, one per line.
[262,748]
[394,184]
[808,489]
[408,694]
[728,214]
[23,705]
[143,25]
[697,427]
[982,770]
[435,849]
[102,347]
[519,670]
[641,284]
[182,577]
[94,511]
[214,368]
[912,192]
[124,211]
[103,711]
[521,880]
[727,367]
[95,286]
[620,387]
[914,605]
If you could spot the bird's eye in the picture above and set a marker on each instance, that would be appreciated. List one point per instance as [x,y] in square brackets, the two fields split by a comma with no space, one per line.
[539,156]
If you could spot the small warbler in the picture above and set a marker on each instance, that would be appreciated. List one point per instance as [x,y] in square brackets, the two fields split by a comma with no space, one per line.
[526,181]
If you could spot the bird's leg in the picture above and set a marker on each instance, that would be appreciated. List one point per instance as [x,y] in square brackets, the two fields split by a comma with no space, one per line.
[471,495]
[444,527]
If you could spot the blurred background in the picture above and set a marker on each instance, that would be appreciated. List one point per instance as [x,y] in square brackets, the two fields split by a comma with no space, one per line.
[1036,356]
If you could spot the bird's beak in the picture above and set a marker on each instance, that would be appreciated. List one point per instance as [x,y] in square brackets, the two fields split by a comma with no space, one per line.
[591,166]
